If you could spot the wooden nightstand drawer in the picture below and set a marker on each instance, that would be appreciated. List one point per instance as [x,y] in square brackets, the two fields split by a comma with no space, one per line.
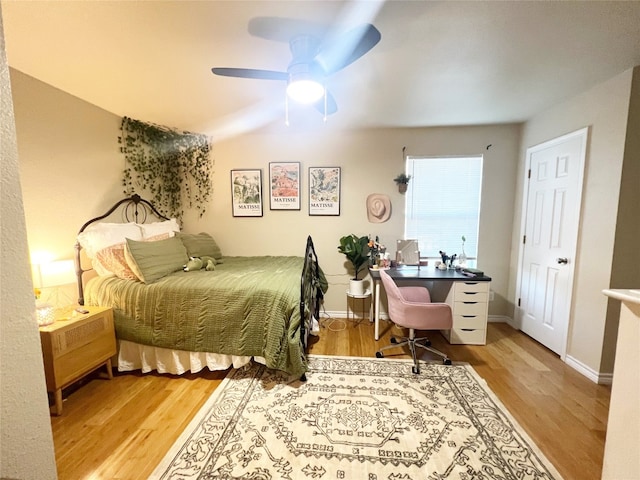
[73,347]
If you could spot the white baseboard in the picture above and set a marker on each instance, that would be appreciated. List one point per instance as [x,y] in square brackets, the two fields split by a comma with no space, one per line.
[593,375]
[343,314]
[331,314]
[499,319]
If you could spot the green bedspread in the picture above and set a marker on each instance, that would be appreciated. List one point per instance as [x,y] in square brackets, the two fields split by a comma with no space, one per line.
[246,306]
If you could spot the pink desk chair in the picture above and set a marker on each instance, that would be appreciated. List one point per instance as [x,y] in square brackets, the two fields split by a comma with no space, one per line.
[411,307]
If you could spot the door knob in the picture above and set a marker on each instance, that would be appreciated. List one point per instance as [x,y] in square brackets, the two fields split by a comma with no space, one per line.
[562,260]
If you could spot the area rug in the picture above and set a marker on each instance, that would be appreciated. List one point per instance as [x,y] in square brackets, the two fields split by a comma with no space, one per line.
[354,418]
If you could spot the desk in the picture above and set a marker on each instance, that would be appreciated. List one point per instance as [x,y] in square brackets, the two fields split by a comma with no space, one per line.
[443,279]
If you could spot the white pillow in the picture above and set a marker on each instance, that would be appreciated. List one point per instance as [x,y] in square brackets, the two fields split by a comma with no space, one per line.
[158,228]
[101,235]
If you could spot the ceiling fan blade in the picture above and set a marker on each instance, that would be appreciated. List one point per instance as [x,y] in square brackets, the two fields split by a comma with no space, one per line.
[284,29]
[345,49]
[332,106]
[251,73]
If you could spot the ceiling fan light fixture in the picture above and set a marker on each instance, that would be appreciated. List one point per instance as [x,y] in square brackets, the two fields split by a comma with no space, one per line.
[305,90]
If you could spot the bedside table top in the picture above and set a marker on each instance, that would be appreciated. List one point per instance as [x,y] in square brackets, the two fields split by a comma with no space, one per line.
[67,316]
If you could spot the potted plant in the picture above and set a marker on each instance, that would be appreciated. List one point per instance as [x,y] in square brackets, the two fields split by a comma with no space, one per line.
[356,249]
[402,181]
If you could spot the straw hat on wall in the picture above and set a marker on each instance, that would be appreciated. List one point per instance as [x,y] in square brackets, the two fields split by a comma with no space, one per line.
[378,208]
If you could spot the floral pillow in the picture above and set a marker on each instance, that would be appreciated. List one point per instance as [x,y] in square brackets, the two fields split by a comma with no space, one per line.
[111,260]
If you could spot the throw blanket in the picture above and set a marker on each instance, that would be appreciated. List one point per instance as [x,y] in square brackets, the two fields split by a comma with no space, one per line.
[246,306]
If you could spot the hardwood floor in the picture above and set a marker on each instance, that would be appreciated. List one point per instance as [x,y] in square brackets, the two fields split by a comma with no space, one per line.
[121,428]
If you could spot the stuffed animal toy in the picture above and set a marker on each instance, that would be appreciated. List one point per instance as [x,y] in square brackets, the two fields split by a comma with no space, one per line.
[209,263]
[193,264]
[198,263]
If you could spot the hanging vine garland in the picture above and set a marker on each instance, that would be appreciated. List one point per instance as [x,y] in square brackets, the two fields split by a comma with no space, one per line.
[167,164]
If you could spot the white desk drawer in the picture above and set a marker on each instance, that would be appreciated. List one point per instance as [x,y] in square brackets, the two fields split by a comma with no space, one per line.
[470,308]
[474,322]
[472,286]
[482,297]
[467,336]
[465,296]
[469,301]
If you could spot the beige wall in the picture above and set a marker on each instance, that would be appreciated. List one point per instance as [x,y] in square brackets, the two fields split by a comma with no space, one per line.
[82,156]
[69,162]
[26,444]
[604,109]
[71,170]
[369,161]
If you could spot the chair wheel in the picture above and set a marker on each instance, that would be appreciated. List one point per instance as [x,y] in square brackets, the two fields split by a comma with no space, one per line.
[379,355]
[415,370]
[427,342]
[394,340]
[447,361]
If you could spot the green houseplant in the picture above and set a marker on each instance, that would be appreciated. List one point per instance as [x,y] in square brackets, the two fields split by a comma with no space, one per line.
[402,181]
[356,249]
[167,164]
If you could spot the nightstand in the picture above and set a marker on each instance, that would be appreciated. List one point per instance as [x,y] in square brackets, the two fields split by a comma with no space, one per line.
[75,346]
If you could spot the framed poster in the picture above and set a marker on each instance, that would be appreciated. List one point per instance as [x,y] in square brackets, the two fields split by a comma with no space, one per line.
[246,193]
[324,190]
[284,181]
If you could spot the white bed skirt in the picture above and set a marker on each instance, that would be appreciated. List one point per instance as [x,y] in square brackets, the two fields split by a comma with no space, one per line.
[134,356]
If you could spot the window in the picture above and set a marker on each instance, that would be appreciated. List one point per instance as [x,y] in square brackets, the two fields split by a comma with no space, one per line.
[443,204]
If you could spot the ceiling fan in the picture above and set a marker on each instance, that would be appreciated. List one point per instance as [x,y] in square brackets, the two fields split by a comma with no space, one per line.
[315,56]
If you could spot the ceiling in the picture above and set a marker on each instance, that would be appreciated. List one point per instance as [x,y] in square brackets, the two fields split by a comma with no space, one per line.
[437,64]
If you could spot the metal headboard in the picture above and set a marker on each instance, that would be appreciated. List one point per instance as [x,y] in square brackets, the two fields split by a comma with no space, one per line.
[133,209]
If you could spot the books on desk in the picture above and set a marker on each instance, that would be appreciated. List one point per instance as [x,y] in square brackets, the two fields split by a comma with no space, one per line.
[472,272]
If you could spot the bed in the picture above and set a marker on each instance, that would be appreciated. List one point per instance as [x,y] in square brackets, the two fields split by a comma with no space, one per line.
[174,321]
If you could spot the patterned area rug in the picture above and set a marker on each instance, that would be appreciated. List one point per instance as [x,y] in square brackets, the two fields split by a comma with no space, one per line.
[354,418]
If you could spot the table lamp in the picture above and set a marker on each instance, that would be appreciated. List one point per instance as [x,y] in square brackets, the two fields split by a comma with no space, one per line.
[48,275]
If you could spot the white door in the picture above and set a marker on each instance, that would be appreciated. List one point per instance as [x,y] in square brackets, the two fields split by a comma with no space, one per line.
[551,215]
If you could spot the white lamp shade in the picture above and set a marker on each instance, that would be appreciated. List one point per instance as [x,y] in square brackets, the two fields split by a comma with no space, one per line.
[53,274]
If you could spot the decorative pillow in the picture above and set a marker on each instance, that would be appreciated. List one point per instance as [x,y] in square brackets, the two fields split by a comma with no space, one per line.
[101,235]
[151,261]
[157,228]
[112,261]
[200,245]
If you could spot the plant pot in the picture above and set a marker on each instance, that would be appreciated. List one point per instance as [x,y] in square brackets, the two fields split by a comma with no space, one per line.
[356,287]
[402,187]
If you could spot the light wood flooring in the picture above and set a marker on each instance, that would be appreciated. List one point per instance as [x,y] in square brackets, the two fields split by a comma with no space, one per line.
[121,428]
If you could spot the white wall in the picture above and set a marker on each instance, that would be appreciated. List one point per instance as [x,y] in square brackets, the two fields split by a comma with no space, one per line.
[604,109]
[26,444]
